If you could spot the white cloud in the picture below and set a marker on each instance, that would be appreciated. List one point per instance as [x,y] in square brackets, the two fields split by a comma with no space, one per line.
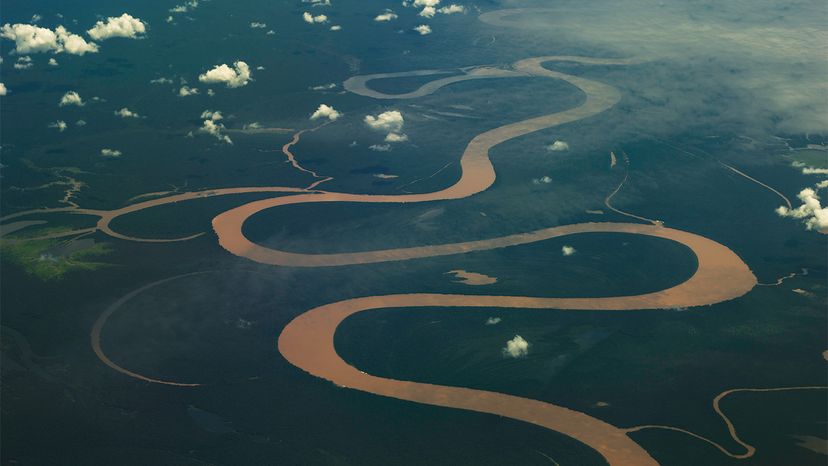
[558,146]
[53,62]
[568,250]
[3,90]
[428,12]
[310,19]
[169,19]
[324,87]
[122,26]
[391,121]
[451,9]
[34,39]
[814,171]
[257,25]
[380,147]
[336,28]
[423,29]
[60,125]
[542,180]
[425,3]
[161,80]
[387,16]
[185,7]
[237,76]
[812,213]
[36,18]
[396,137]
[126,113]
[211,115]
[80,123]
[74,44]
[187,91]
[270,32]
[111,153]
[23,63]
[516,347]
[493,321]
[325,111]
[30,39]
[318,2]
[822,184]
[212,126]
[71,98]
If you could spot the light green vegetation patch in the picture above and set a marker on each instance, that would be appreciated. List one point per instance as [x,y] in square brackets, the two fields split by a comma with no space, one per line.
[42,258]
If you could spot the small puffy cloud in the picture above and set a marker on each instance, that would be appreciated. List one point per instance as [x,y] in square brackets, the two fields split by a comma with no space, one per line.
[391,121]
[516,347]
[122,26]
[270,32]
[161,80]
[30,39]
[211,115]
[325,111]
[3,90]
[80,123]
[558,146]
[814,171]
[336,28]
[111,153]
[185,7]
[126,113]
[36,18]
[452,9]
[237,76]
[23,63]
[396,137]
[311,19]
[493,321]
[211,125]
[257,25]
[71,98]
[169,19]
[822,184]
[187,91]
[324,87]
[380,147]
[53,62]
[426,3]
[428,12]
[387,16]
[74,44]
[423,29]
[542,180]
[812,213]
[568,250]
[34,39]
[60,125]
